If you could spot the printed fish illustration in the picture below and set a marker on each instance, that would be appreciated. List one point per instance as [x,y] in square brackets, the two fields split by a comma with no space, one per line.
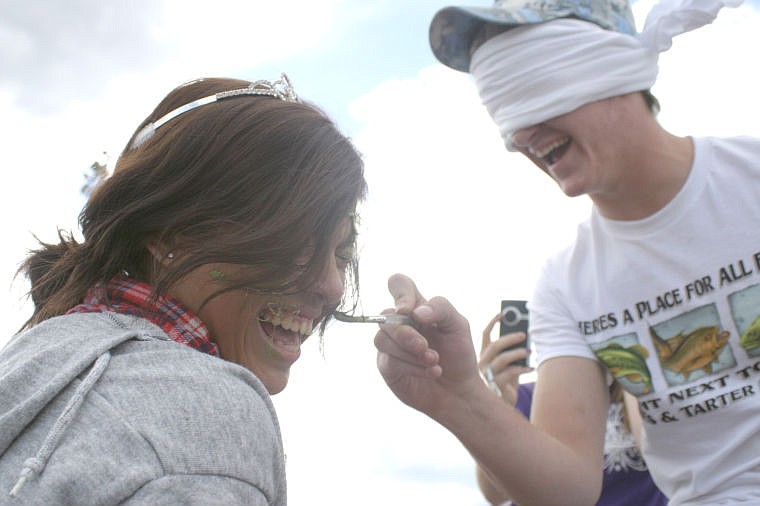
[751,337]
[696,350]
[629,363]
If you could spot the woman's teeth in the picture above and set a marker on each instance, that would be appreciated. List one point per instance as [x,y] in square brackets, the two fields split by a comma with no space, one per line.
[294,324]
[287,319]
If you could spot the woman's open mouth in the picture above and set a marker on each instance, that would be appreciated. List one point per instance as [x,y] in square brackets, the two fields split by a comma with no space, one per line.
[284,327]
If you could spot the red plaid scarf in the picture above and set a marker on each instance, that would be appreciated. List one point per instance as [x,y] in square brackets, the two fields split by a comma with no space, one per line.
[128,296]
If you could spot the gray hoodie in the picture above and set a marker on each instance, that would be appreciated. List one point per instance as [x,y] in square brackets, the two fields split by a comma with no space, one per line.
[103,408]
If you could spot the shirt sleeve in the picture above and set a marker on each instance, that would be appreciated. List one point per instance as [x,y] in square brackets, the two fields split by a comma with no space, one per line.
[553,330]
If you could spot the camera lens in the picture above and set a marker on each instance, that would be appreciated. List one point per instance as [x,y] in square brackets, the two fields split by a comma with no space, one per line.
[510,315]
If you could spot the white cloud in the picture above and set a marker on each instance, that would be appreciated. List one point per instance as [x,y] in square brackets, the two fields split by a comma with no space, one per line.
[55,52]
[230,34]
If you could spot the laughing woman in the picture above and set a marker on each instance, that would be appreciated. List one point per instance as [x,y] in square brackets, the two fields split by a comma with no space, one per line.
[224,237]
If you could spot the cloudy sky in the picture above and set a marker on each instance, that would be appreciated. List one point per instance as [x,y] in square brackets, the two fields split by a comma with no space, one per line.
[448,205]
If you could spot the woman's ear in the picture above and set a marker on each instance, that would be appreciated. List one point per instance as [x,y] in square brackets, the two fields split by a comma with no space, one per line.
[159,255]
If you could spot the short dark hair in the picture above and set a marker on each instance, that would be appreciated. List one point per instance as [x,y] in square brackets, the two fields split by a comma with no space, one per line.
[652,103]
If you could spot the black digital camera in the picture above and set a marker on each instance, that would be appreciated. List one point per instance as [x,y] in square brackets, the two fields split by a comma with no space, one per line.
[514,318]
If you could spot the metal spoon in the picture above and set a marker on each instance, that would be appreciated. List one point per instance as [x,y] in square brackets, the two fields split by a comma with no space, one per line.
[389,319]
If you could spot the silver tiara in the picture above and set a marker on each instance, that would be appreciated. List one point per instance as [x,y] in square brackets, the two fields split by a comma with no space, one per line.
[281,89]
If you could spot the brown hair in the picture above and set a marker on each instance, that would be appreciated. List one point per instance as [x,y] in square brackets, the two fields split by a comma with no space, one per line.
[249,180]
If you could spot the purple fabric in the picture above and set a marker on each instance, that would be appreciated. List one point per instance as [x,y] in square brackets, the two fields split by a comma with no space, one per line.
[620,488]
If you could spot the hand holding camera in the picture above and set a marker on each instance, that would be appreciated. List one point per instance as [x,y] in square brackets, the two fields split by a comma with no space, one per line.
[504,360]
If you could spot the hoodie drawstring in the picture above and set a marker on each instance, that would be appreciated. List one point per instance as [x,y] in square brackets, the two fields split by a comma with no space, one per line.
[36,464]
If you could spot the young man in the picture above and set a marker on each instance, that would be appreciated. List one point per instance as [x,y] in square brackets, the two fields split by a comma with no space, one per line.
[660,290]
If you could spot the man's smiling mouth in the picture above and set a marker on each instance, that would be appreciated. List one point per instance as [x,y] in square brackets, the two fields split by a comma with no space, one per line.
[554,151]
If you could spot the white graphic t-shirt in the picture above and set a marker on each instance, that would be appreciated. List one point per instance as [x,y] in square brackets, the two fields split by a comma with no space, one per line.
[671,305]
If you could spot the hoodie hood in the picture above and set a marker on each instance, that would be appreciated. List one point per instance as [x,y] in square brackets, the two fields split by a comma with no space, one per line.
[37,365]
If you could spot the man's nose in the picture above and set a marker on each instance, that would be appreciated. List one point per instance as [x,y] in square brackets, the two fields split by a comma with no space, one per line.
[521,138]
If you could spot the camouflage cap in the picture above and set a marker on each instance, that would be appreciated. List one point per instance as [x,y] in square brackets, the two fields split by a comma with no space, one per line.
[453,29]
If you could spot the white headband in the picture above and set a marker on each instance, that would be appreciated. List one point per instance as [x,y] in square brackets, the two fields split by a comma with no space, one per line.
[535,72]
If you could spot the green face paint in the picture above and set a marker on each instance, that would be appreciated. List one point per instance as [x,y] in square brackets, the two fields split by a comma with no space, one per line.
[216,275]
